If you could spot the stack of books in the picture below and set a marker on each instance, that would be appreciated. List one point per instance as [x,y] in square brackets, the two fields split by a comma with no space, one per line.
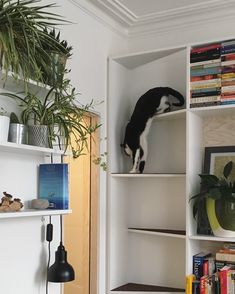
[228,72]
[213,274]
[205,75]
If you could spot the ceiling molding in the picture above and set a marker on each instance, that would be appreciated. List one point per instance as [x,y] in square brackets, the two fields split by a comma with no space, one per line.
[119,18]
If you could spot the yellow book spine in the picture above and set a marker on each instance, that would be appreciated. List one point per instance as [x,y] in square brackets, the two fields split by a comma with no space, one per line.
[189,283]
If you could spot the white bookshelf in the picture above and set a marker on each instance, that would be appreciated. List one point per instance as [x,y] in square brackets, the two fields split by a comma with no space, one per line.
[34,212]
[142,206]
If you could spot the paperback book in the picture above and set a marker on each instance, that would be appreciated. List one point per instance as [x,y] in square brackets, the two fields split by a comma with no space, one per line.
[53,184]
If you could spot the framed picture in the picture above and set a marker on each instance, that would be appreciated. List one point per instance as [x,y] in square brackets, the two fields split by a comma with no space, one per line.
[216,158]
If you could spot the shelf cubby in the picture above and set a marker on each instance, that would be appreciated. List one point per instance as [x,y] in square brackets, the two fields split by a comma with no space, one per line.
[133,287]
[159,232]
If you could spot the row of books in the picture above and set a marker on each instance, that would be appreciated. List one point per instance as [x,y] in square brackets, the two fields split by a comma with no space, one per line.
[212,74]
[213,273]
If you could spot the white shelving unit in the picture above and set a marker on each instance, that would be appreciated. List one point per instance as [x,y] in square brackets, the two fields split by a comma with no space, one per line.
[33,212]
[146,212]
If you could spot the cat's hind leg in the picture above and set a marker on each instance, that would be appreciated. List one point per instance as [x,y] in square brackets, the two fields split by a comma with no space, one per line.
[143,154]
[136,160]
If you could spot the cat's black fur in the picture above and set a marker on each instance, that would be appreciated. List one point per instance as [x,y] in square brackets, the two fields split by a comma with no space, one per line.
[153,102]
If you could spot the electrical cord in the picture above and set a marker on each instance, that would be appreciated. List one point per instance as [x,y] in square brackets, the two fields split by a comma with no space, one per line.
[49,237]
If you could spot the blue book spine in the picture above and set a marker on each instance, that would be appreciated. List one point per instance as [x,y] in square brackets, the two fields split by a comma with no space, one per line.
[198,260]
[53,184]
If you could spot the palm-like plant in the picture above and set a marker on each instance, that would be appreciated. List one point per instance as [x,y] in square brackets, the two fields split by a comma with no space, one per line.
[22,33]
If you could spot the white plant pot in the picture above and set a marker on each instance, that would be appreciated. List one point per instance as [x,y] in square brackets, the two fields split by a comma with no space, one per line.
[4,128]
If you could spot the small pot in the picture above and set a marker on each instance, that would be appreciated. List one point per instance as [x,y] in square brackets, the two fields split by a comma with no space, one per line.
[4,127]
[38,135]
[18,133]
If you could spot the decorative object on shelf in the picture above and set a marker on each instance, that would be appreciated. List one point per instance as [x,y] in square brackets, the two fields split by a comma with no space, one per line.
[8,204]
[155,101]
[22,27]
[53,184]
[40,203]
[4,125]
[61,271]
[57,59]
[218,188]
[18,132]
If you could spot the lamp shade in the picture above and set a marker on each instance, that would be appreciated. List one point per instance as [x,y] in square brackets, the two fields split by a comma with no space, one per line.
[61,271]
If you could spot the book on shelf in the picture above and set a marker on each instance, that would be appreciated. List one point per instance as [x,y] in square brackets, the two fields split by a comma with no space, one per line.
[189,284]
[211,61]
[205,99]
[207,65]
[206,71]
[224,281]
[53,184]
[198,260]
[204,94]
[205,48]
[205,104]
[225,256]
[228,57]
[206,77]
[196,287]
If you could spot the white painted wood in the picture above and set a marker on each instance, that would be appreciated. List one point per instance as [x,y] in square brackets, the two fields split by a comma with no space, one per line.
[167,235]
[33,212]
[28,149]
[211,238]
[147,175]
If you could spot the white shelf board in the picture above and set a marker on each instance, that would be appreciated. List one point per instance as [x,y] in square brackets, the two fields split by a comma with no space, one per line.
[171,115]
[117,175]
[134,60]
[214,110]
[28,149]
[34,212]
[211,238]
[156,233]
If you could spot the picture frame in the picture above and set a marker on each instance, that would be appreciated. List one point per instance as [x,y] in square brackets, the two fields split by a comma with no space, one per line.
[216,158]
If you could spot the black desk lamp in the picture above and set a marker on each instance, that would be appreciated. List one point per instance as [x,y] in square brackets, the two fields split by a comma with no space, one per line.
[61,271]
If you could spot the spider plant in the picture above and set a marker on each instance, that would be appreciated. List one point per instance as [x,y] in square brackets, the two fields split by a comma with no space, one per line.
[61,113]
[22,33]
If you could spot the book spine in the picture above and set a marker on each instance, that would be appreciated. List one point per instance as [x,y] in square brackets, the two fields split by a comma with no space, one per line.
[227,62]
[196,287]
[205,99]
[206,71]
[204,94]
[202,66]
[206,86]
[210,61]
[206,90]
[205,104]
[205,78]
[203,288]
[227,75]
[205,48]
[228,57]
[189,284]
[203,82]
[223,281]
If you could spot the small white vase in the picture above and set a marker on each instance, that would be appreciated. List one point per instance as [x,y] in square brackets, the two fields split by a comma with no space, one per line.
[4,127]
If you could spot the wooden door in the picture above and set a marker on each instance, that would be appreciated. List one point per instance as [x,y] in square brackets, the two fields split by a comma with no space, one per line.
[80,228]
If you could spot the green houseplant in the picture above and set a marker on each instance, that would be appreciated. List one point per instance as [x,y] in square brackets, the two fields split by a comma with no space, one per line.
[219,194]
[60,113]
[22,35]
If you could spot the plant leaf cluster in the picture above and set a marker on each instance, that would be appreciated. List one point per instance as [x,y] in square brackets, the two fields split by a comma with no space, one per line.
[61,113]
[22,35]
[215,188]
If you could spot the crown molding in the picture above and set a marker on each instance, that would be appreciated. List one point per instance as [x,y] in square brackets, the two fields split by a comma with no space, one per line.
[120,19]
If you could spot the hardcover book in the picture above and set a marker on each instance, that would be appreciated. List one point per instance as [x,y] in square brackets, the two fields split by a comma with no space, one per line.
[53,184]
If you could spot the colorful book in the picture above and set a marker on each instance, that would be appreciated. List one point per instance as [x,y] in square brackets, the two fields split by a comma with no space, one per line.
[189,284]
[198,260]
[205,99]
[53,184]
[206,71]
[205,48]
[224,279]
[196,287]
[210,61]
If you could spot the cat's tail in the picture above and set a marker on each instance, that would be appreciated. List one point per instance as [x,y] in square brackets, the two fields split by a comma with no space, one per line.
[177,95]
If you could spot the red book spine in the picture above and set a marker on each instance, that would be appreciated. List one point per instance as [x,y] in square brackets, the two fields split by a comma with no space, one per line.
[205,268]
[224,280]
[203,49]
[203,285]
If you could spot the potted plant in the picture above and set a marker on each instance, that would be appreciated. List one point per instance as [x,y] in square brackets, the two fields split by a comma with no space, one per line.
[18,130]
[22,35]
[57,58]
[4,125]
[219,194]
[59,114]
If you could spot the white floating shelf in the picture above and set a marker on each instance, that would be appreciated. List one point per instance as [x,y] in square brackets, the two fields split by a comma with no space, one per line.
[171,115]
[214,110]
[34,212]
[28,149]
[152,175]
[211,238]
[162,234]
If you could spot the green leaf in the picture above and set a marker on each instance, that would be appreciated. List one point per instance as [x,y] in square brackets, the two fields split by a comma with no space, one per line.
[227,169]
[214,193]
[208,180]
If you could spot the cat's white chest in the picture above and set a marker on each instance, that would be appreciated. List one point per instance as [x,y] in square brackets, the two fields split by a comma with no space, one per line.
[164,105]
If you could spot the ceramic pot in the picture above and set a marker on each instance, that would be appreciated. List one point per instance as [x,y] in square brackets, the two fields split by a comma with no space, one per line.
[4,128]
[38,135]
[221,215]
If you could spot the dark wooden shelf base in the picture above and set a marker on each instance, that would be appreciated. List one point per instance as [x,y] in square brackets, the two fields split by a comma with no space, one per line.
[146,288]
[166,231]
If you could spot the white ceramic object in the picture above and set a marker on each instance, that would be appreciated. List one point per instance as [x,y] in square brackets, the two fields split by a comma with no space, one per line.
[4,128]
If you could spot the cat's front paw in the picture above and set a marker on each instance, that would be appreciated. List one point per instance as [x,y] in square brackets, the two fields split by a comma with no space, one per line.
[133,171]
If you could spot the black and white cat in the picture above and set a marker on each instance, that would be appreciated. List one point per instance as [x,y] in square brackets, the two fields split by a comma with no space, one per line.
[153,102]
